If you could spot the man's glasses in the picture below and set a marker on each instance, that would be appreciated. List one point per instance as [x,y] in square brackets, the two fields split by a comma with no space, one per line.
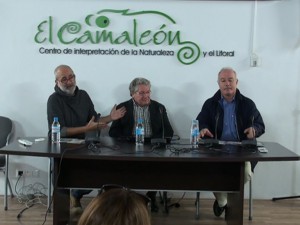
[108,187]
[64,80]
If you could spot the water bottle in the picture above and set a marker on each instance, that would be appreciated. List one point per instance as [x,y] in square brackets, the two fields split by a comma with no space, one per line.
[55,131]
[139,132]
[194,133]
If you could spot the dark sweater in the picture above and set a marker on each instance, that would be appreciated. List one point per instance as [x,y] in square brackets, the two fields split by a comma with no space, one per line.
[72,111]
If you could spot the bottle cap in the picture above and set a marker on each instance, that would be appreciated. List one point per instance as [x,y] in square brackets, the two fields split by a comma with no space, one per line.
[195,122]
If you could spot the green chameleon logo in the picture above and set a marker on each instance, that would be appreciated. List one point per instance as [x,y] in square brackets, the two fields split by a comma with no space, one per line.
[99,29]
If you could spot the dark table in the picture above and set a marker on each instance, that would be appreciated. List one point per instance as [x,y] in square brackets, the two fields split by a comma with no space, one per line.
[145,167]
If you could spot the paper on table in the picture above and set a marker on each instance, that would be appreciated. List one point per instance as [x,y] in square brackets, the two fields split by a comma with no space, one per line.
[72,140]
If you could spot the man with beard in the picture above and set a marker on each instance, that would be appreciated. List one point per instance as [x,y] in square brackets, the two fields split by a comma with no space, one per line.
[76,114]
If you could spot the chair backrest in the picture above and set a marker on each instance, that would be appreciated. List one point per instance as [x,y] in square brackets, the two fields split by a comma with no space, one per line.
[6,126]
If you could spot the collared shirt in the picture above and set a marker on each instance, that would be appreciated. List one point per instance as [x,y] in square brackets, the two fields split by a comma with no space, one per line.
[142,112]
[229,132]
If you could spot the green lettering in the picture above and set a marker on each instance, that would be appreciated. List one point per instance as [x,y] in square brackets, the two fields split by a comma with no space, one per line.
[125,37]
[41,31]
[68,28]
[175,38]
[160,36]
[104,36]
[86,37]
[145,35]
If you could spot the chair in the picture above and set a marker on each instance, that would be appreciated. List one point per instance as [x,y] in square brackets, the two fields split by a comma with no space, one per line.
[197,203]
[6,127]
[250,199]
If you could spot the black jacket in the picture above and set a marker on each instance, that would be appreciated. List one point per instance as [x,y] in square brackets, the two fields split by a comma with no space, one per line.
[247,115]
[124,126]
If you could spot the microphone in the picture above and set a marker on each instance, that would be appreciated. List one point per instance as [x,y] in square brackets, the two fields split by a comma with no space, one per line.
[98,120]
[212,142]
[160,141]
[216,127]
[93,137]
[250,143]
[162,122]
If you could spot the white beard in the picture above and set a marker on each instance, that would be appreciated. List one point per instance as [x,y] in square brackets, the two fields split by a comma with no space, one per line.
[68,90]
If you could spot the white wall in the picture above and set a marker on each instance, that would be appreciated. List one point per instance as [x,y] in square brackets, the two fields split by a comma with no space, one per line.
[28,79]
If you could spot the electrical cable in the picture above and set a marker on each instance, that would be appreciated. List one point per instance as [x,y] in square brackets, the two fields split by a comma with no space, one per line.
[23,210]
[96,147]
[182,148]
[19,177]
[177,203]
[29,195]
[56,180]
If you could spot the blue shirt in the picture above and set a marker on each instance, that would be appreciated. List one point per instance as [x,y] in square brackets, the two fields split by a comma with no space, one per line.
[229,132]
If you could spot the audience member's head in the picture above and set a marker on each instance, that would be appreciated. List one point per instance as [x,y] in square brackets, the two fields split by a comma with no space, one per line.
[117,206]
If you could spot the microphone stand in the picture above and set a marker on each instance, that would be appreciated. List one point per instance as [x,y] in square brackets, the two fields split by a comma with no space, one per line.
[93,137]
[164,200]
[160,141]
[250,143]
[216,127]
[98,120]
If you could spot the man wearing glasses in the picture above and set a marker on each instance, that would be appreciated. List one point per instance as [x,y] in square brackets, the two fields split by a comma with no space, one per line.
[76,113]
[153,113]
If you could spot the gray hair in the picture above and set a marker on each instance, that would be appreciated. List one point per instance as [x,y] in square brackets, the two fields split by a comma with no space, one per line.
[226,69]
[60,67]
[134,85]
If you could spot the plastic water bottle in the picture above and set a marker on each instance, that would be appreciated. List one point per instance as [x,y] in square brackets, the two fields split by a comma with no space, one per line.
[194,133]
[139,132]
[55,131]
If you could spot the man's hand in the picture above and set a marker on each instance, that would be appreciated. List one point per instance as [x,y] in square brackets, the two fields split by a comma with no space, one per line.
[92,125]
[250,132]
[117,113]
[205,132]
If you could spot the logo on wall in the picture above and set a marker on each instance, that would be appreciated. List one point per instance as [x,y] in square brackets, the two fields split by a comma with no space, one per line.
[138,30]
